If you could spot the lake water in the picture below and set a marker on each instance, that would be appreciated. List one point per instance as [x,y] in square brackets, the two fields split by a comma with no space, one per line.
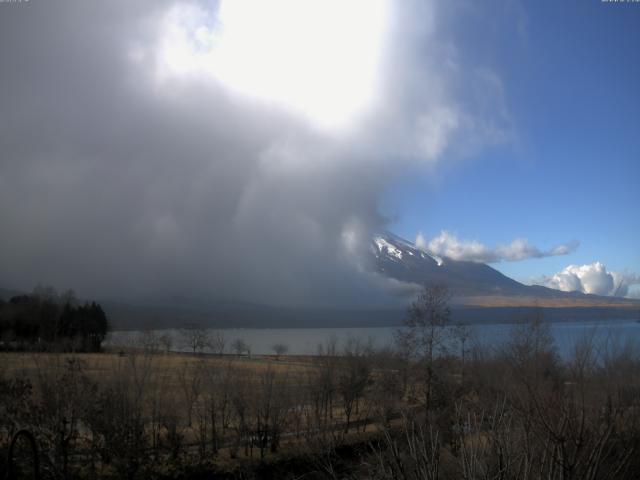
[305,341]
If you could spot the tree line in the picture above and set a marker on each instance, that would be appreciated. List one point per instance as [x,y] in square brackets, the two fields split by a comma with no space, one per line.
[46,320]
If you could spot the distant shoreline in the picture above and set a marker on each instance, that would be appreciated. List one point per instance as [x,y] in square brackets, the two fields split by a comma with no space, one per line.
[381,318]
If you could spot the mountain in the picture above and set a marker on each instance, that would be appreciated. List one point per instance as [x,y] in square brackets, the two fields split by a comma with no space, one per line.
[472,283]
[398,258]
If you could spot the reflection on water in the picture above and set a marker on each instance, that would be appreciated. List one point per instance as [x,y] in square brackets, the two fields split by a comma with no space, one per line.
[305,341]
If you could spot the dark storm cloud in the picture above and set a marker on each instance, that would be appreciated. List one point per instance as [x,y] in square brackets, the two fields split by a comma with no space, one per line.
[118,188]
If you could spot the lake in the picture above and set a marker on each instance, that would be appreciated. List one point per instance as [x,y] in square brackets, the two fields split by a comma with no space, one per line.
[305,341]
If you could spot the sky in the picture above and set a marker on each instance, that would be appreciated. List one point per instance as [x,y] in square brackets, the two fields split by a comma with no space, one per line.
[570,169]
[246,150]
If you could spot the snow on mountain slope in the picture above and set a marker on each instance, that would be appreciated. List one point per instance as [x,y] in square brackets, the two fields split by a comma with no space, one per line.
[400,259]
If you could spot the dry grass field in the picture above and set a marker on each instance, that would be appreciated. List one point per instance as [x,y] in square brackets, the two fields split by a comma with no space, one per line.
[176,397]
[97,365]
[587,301]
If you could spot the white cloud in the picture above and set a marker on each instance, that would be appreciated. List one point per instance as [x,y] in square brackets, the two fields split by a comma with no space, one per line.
[593,278]
[447,244]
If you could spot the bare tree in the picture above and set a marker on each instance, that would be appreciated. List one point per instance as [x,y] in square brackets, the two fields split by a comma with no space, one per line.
[191,378]
[149,341]
[354,377]
[218,342]
[65,394]
[462,334]
[195,337]
[323,386]
[166,342]
[280,349]
[413,454]
[423,337]
[217,393]
[240,395]
[386,393]
[270,407]
[117,419]
[239,346]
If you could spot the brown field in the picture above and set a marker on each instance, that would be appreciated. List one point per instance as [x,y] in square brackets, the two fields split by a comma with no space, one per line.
[173,381]
[98,364]
[588,301]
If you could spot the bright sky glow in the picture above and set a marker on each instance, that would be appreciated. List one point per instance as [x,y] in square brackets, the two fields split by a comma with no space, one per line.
[316,58]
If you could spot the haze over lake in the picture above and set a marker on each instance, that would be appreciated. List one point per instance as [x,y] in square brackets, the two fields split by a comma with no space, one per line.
[606,334]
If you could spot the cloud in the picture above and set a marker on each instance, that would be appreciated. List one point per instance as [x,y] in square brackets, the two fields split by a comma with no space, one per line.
[127,172]
[592,278]
[448,245]
[520,249]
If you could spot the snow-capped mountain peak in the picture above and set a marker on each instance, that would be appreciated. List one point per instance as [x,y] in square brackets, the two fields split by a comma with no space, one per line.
[402,260]
[396,247]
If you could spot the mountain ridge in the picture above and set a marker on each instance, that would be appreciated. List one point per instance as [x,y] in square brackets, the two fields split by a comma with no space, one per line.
[471,283]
